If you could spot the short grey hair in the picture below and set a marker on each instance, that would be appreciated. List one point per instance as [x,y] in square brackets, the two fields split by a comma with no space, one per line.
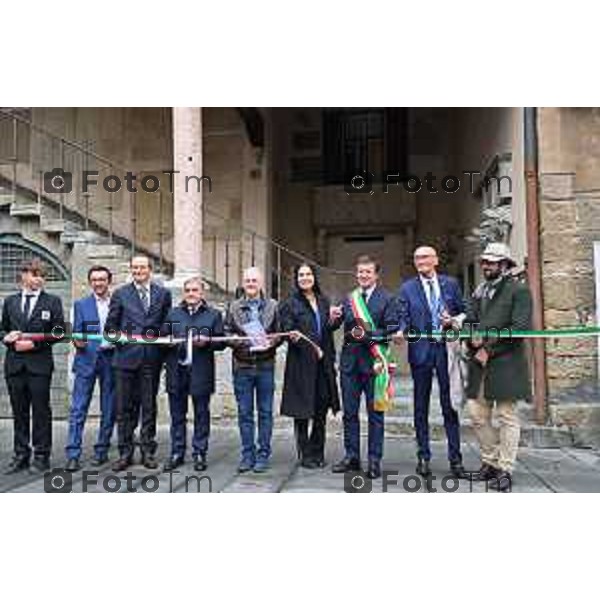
[196,278]
[253,271]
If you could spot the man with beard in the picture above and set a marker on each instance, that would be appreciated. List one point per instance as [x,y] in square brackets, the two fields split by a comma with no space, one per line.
[498,371]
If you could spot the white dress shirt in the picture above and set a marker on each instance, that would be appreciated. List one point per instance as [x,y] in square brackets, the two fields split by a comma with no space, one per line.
[35,295]
[436,284]
[102,305]
[367,292]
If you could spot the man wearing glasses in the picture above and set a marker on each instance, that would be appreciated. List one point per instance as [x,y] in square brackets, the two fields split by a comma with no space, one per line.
[428,302]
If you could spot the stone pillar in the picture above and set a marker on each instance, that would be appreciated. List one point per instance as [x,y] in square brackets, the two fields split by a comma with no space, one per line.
[187,204]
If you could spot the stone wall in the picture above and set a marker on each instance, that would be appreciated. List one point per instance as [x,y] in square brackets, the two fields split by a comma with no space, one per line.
[570,224]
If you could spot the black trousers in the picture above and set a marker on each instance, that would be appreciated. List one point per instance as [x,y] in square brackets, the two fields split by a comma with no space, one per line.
[312,445]
[29,392]
[136,394]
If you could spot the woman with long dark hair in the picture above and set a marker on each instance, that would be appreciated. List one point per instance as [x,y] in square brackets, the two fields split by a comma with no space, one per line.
[309,388]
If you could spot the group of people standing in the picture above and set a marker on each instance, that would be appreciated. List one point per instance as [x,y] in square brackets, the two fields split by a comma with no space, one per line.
[254,326]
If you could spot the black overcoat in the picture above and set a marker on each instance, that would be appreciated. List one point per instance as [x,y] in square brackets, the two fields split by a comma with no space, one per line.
[305,378]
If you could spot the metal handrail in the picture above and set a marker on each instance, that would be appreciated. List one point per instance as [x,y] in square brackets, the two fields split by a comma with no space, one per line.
[272,245]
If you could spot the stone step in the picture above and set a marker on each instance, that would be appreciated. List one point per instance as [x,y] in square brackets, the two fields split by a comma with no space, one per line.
[6,196]
[105,251]
[22,210]
[52,225]
[74,235]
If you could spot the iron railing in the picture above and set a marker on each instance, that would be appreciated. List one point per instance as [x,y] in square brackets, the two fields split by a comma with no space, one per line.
[33,151]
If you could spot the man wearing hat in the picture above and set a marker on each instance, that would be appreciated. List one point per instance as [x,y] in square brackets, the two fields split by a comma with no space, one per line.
[498,373]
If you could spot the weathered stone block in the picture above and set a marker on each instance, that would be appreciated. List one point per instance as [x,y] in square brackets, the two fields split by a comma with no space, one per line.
[588,214]
[571,368]
[559,293]
[558,247]
[558,216]
[584,346]
[557,186]
[555,319]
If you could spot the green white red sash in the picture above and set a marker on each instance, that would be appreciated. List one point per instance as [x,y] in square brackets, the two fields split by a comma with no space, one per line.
[384,390]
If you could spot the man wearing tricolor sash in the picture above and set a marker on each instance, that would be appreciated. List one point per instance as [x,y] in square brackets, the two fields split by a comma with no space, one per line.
[369,316]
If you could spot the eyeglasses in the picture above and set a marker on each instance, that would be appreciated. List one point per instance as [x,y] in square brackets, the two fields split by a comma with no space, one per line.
[487,263]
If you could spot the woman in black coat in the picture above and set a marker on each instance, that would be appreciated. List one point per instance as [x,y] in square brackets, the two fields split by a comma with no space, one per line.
[310,387]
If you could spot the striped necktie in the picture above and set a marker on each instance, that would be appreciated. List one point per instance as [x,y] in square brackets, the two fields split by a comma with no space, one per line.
[434,304]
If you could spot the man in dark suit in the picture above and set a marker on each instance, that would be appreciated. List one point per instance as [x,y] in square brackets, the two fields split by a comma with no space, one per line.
[357,365]
[29,364]
[137,308]
[191,371]
[93,361]
[428,303]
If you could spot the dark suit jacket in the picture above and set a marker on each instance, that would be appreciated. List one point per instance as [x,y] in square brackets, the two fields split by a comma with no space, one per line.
[86,320]
[205,321]
[355,356]
[127,314]
[415,314]
[47,314]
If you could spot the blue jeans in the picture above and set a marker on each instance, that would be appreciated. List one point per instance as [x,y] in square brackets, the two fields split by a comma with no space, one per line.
[247,381]
[178,405]
[83,389]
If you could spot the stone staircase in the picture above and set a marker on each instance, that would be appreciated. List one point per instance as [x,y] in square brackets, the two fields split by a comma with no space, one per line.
[29,215]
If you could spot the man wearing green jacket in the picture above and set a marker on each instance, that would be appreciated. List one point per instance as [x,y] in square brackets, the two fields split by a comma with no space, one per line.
[498,372]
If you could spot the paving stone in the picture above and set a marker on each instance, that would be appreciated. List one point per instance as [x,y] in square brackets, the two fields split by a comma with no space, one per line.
[537,470]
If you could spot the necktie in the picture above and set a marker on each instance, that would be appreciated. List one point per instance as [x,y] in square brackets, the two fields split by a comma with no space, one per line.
[144,297]
[434,305]
[364,296]
[27,307]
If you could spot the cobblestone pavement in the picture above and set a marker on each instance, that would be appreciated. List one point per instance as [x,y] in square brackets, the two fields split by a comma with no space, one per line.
[553,470]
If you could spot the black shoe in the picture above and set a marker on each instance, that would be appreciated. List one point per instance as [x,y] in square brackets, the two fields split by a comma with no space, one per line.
[502,482]
[374,470]
[423,468]
[72,465]
[486,472]
[173,463]
[40,464]
[458,470]
[98,461]
[309,463]
[17,465]
[200,463]
[121,464]
[346,466]
[150,462]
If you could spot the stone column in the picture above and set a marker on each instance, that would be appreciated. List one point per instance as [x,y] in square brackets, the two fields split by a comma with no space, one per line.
[187,203]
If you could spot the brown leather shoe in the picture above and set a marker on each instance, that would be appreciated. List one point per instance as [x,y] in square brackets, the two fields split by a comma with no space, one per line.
[486,472]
